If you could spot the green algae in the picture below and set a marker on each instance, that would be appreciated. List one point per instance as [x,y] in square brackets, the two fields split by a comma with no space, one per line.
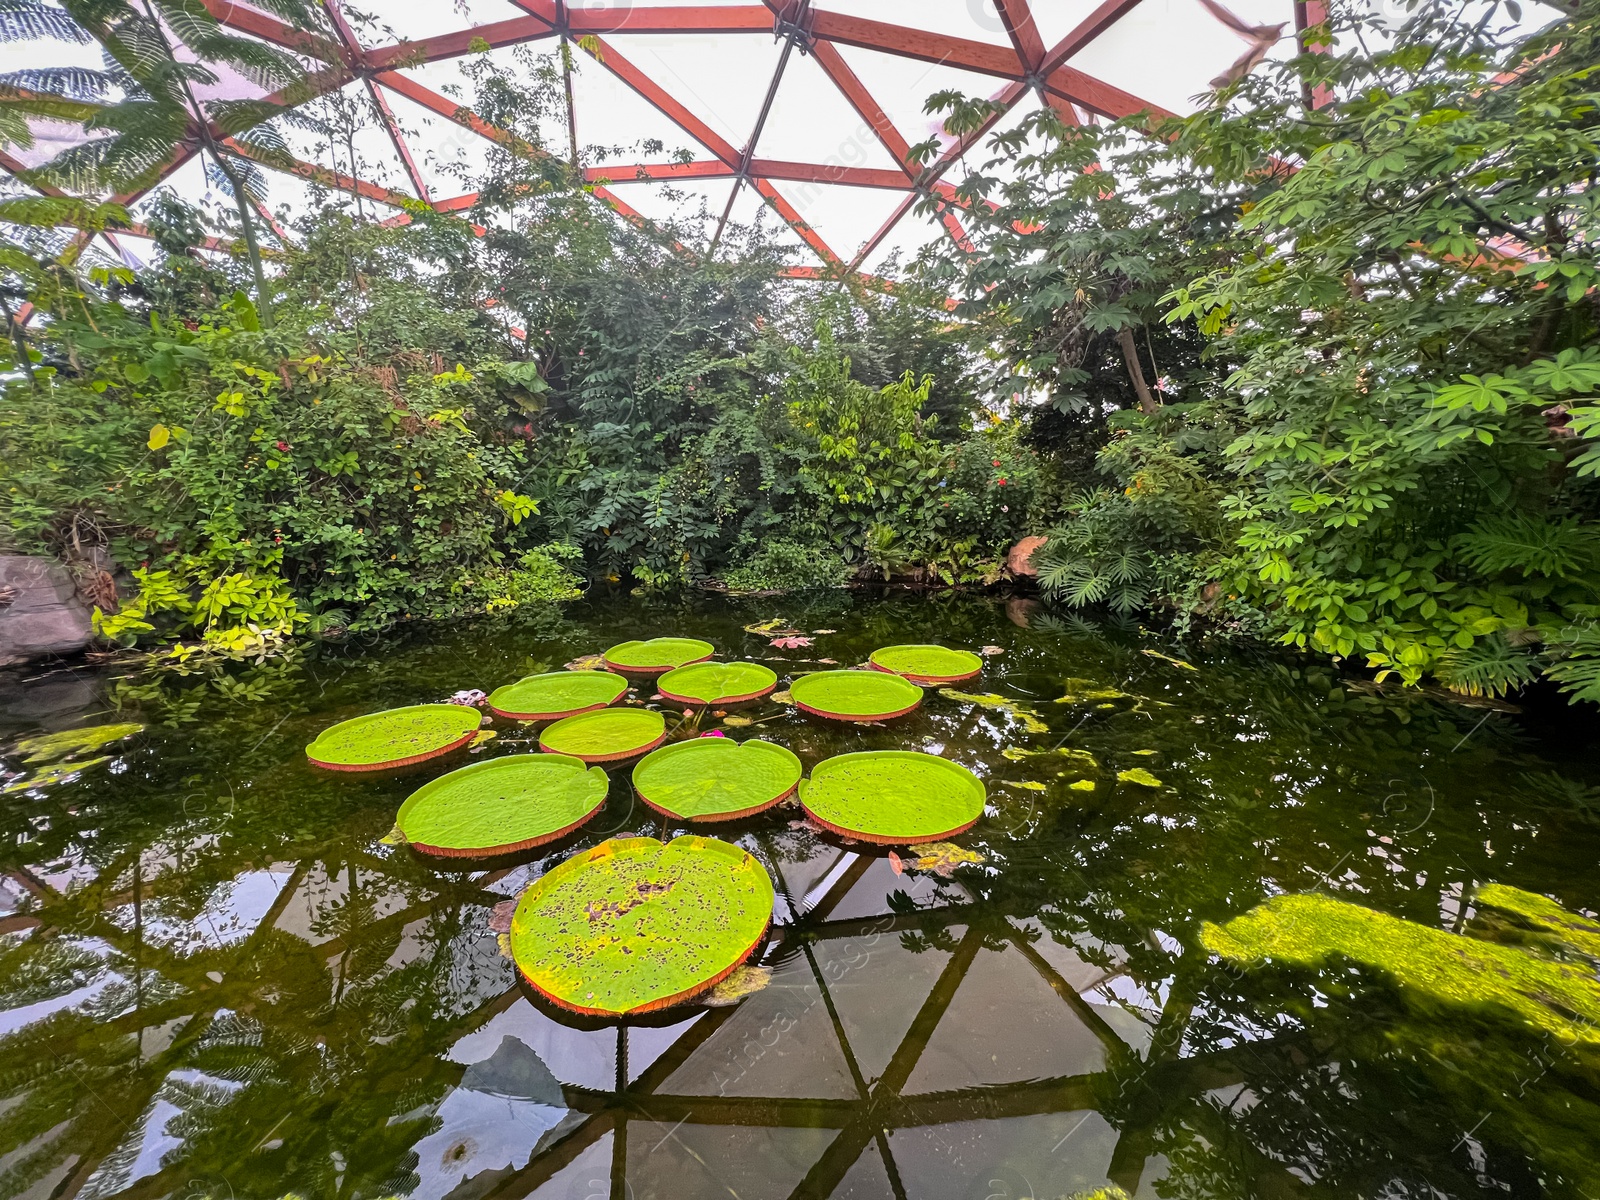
[610,735]
[557,694]
[1139,776]
[50,776]
[716,779]
[503,805]
[1453,970]
[1029,717]
[394,738]
[658,655]
[1544,917]
[855,695]
[69,743]
[927,664]
[636,925]
[715,683]
[1087,691]
[893,797]
[1073,762]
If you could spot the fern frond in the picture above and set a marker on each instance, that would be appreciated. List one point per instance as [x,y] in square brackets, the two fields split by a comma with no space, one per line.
[1491,666]
[1531,546]
[28,20]
[69,83]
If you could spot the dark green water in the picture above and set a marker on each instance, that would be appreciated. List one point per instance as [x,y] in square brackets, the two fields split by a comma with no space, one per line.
[216,981]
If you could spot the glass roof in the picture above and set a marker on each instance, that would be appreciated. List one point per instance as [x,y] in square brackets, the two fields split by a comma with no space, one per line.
[806,107]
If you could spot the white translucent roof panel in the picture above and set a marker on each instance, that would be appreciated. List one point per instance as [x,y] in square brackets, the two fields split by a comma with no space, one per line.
[676,99]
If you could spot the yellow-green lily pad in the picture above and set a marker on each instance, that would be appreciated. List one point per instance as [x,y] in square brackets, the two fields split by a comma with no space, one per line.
[395,738]
[927,665]
[893,797]
[716,778]
[502,806]
[558,694]
[658,655]
[855,695]
[610,735]
[635,925]
[717,684]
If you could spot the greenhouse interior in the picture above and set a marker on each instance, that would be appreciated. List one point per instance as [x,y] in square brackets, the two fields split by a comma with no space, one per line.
[905,599]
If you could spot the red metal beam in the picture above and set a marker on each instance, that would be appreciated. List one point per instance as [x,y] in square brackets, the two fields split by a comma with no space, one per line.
[1017,17]
[797,222]
[327,178]
[270,29]
[770,168]
[612,60]
[352,46]
[827,57]
[1086,30]
[1072,84]
[510,32]
[916,43]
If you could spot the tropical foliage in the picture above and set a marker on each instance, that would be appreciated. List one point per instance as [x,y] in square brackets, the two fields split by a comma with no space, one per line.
[1386,254]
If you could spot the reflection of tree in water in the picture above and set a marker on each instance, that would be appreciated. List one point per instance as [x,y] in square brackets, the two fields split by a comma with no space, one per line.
[317,1060]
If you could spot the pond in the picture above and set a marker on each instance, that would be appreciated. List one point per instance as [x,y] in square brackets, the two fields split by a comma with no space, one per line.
[217,979]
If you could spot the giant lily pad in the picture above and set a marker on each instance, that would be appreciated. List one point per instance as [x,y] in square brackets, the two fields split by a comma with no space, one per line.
[658,655]
[931,665]
[556,695]
[855,695]
[636,925]
[610,735]
[718,683]
[893,797]
[503,805]
[716,779]
[396,738]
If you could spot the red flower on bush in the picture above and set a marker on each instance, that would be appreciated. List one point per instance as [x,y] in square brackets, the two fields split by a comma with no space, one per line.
[997,462]
[281,445]
[1001,481]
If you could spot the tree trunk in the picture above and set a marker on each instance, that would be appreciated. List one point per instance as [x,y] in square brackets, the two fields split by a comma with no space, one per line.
[263,301]
[1130,356]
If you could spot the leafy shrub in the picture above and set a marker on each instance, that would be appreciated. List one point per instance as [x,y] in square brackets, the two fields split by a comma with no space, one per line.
[783,565]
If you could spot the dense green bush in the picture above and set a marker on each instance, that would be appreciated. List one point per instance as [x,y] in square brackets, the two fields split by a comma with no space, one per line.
[1386,451]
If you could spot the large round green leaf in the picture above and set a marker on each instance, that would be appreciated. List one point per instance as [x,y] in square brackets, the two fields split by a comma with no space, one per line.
[855,695]
[716,778]
[610,735]
[893,797]
[503,805]
[636,925]
[927,664]
[718,683]
[658,655]
[556,695]
[396,738]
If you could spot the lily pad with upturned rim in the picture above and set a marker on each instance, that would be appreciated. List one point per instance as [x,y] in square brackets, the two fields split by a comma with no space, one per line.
[717,683]
[931,665]
[557,694]
[658,655]
[716,779]
[855,695]
[610,735]
[502,806]
[635,925]
[893,797]
[397,737]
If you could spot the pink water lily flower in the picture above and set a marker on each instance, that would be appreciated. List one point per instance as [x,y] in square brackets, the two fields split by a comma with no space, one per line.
[791,643]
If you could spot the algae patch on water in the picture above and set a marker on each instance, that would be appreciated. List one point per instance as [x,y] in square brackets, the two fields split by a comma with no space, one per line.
[1551,996]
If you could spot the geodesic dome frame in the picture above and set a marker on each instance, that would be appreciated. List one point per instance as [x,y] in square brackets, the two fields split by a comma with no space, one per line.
[806,107]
